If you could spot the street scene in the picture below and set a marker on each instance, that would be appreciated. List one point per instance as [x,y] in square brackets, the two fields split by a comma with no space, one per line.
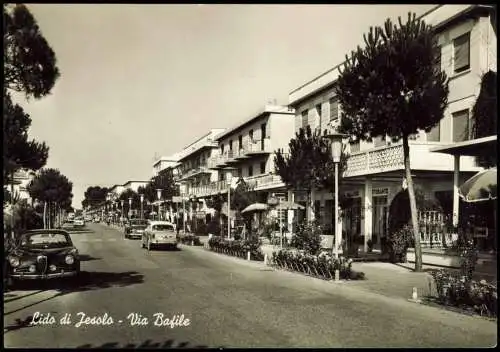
[215,176]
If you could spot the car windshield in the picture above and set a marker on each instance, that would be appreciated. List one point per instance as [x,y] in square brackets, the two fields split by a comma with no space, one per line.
[163,227]
[138,223]
[46,240]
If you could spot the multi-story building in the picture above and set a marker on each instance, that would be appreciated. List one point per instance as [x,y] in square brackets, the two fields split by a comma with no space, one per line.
[166,162]
[134,185]
[21,180]
[375,170]
[247,150]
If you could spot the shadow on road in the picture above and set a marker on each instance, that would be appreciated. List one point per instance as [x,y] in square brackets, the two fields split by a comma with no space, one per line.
[74,232]
[87,258]
[148,344]
[19,324]
[86,281]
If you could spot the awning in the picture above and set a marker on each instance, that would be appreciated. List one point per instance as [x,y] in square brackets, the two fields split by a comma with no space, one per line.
[473,147]
[480,187]
[255,207]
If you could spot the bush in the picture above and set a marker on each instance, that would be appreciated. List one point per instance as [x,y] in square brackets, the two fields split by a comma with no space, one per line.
[237,248]
[308,237]
[456,290]
[190,239]
[213,227]
[321,266]
[398,244]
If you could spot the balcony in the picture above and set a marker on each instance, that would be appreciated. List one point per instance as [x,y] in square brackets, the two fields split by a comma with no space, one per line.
[209,190]
[194,172]
[266,181]
[390,158]
[258,147]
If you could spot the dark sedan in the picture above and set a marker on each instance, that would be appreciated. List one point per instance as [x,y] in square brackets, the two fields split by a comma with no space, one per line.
[135,228]
[43,254]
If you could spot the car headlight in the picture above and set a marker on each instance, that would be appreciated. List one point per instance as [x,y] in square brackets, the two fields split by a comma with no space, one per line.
[69,259]
[32,269]
[14,261]
[52,267]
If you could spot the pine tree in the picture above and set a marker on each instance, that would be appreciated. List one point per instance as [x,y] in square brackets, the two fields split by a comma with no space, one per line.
[394,87]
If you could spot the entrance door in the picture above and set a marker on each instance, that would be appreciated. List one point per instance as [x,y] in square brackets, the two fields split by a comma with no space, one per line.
[379,224]
[353,221]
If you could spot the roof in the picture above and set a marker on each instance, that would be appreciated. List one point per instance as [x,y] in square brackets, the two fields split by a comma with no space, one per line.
[206,141]
[268,109]
[473,147]
[439,17]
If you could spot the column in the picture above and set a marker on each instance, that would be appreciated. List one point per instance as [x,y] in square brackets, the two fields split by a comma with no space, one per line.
[368,213]
[456,185]
[290,214]
[310,207]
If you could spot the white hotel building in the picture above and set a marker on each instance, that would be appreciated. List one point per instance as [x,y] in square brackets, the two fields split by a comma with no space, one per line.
[375,170]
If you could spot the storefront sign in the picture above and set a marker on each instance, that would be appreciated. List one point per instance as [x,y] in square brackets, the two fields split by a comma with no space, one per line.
[352,194]
[200,215]
[380,191]
[326,241]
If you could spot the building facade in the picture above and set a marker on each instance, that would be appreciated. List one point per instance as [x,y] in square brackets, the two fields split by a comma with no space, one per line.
[375,170]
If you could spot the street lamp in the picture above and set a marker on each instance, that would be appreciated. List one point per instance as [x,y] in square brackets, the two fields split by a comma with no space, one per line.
[158,193]
[130,207]
[182,189]
[229,176]
[121,215]
[142,206]
[336,150]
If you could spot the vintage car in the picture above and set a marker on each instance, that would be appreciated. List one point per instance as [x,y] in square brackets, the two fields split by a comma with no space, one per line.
[78,223]
[159,234]
[135,228]
[43,254]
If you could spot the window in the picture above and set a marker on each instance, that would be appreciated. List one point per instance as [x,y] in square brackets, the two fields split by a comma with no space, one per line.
[231,144]
[318,111]
[305,119]
[461,126]
[334,108]
[263,167]
[250,170]
[239,172]
[438,59]
[250,134]
[461,47]
[222,149]
[240,142]
[433,135]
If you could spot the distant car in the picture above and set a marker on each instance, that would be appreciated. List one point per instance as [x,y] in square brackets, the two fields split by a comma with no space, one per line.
[135,228]
[43,254]
[159,233]
[78,223]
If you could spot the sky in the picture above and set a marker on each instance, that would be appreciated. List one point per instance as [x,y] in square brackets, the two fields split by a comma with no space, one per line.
[144,80]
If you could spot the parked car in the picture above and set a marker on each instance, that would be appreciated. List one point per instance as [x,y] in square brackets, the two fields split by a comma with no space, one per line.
[43,254]
[159,233]
[78,223]
[135,228]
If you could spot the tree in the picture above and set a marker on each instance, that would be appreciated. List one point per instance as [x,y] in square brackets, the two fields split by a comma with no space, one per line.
[30,68]
[94,195]
[54,190]
[485,114]
[164,181]
[308,165]
[136,200]
[241,197]
[18,151]
[29,61]
[394,87]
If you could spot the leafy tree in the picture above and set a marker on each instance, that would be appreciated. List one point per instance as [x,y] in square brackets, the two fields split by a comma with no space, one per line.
[394,87]
[216,202]
[94,195]
[53,189]
[164,181]
[136,200]
[29,61]
[308,165]
[485,115]
[30,68]
[18,151]
[241,197]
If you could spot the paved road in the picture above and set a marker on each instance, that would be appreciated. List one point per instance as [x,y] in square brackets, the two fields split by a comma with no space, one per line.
[229,303]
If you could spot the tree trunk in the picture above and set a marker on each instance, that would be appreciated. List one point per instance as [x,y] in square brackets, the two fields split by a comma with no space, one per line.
[413,205]
[44,215]
[12,204]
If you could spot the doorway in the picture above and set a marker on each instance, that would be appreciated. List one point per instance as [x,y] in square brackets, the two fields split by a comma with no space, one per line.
[379,223]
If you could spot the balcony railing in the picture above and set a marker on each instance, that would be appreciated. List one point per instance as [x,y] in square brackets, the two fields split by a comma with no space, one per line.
[390,158]
[195,171]
[258,147]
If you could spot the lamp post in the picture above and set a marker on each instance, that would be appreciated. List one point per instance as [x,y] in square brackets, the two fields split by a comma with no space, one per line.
[142,206]
[182,190]
[129,207]
[121,215]
[229,176]
[158,194]
[336,150]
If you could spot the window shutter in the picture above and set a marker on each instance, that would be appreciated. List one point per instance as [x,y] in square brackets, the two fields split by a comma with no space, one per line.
[461,126]
[334,108]
[462,52]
